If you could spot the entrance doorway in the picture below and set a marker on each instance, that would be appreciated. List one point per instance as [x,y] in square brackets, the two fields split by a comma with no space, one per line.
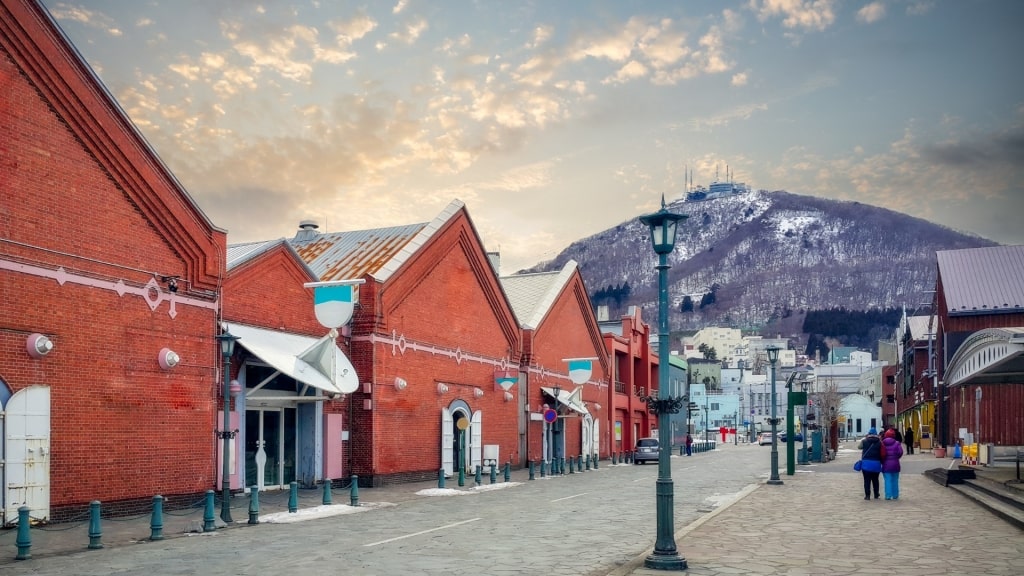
[270,447]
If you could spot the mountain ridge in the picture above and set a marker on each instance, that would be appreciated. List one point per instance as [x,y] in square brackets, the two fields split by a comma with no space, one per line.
[762,253]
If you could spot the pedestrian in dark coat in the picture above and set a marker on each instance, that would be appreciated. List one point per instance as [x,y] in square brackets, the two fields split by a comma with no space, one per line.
[871,462]
[908,438]
[689,445]
[891,465]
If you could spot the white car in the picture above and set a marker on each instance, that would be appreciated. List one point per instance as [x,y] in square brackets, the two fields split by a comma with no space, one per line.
[764,438]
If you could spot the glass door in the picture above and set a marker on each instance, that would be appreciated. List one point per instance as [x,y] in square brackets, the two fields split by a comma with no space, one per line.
[270,444]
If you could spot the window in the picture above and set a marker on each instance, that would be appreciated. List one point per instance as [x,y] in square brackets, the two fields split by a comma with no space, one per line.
[714,406]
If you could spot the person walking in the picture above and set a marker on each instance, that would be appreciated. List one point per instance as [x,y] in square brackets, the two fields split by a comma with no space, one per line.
[892,452]
[689,444]
[871,462]
[908,438]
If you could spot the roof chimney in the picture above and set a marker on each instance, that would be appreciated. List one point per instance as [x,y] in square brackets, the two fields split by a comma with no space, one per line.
[307,231]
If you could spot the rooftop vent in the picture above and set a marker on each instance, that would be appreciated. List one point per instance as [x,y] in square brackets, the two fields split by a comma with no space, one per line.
[307,231]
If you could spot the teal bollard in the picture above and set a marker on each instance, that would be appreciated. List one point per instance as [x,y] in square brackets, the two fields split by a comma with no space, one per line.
[440,478]
[681,448]
[588,461]
[572,466]
[24,539]
[354,491]
[531,470]
[561,465]
[494,475]
[254,504]
[613,458]
[579,463]
[95,530]
[543,465]
[478,476]
[208,525]
[327,492]
[156,522]
[596,458]
[293,497]
[508,471]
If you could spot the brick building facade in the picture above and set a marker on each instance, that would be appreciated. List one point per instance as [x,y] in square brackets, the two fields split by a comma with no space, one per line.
[106,258]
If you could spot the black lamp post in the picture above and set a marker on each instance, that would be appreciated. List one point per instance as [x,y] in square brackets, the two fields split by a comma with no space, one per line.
[227,347]
[663,236]
[773,357]
[555,462]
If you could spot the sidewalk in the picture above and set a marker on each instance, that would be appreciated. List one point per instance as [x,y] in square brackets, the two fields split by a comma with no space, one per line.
[818,522]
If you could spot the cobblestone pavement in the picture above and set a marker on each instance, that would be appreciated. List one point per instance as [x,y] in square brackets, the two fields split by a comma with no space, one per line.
[818,523]
[595,523]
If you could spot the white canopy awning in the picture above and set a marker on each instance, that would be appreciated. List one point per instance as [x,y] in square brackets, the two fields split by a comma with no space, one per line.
[314,362]
[573,400]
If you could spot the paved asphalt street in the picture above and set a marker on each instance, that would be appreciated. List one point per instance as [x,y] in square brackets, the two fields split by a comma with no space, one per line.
[593,523]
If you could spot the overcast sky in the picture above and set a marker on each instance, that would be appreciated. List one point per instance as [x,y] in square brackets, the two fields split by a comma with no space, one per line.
[553,120]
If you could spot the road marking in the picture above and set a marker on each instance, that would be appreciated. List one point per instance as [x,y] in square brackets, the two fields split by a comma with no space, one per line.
[422,532]
[568,497]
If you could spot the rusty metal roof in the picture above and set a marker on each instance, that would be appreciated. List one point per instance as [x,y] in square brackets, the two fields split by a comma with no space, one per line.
[241,253]
[344,255]
[983,280]
[379,252]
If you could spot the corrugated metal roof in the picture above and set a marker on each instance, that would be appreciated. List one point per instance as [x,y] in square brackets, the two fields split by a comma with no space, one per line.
[918,327]
[353,254]
[532,295]
[983,280]
[378,252]
[239,254]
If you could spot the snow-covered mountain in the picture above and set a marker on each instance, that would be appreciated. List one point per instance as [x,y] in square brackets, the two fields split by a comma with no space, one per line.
[765,254]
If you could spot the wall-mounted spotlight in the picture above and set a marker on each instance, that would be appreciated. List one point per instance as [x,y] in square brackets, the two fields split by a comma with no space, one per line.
[478,392]
[168,358]
[400,383]
[38,345]
[172,282]
[508,396]
[442,388]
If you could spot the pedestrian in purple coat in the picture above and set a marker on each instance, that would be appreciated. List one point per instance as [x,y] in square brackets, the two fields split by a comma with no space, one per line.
[893,451]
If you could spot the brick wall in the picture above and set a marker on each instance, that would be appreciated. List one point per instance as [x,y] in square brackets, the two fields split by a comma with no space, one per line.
[121,428]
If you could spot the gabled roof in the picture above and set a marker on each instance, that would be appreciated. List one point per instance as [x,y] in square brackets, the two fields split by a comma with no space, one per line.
[239,254]
[47,58]
[918,326]
[532,295]
[379,252]
[983,280]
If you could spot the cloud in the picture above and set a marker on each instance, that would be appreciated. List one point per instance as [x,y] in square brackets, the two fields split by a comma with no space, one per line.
[920,8]
[739,79]
[629,71]
[410,32]
[871,13]
[399,6]
[813,15]
[87,17]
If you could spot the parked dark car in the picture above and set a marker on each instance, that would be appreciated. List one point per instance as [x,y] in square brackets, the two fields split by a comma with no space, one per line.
[647,450]
[798,437]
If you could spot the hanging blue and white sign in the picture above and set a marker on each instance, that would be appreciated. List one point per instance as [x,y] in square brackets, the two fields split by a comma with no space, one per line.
[579,369]
[506,378]
[333,302]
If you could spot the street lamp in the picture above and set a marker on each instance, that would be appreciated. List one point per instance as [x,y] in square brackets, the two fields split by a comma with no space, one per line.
[555,463]
[773,357]
[663,237]
[803,428]
[227,347]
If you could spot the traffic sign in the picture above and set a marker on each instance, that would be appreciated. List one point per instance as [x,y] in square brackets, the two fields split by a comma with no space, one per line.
[550,415]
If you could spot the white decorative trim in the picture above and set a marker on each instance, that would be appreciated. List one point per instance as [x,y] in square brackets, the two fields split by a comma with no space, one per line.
[150,292]
[400,345]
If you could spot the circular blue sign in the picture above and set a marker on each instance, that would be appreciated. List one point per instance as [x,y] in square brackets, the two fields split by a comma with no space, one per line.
[550,416]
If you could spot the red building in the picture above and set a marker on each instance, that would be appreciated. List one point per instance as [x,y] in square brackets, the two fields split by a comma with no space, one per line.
[634,373]
[109,278]
[563,366]
[980,341]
